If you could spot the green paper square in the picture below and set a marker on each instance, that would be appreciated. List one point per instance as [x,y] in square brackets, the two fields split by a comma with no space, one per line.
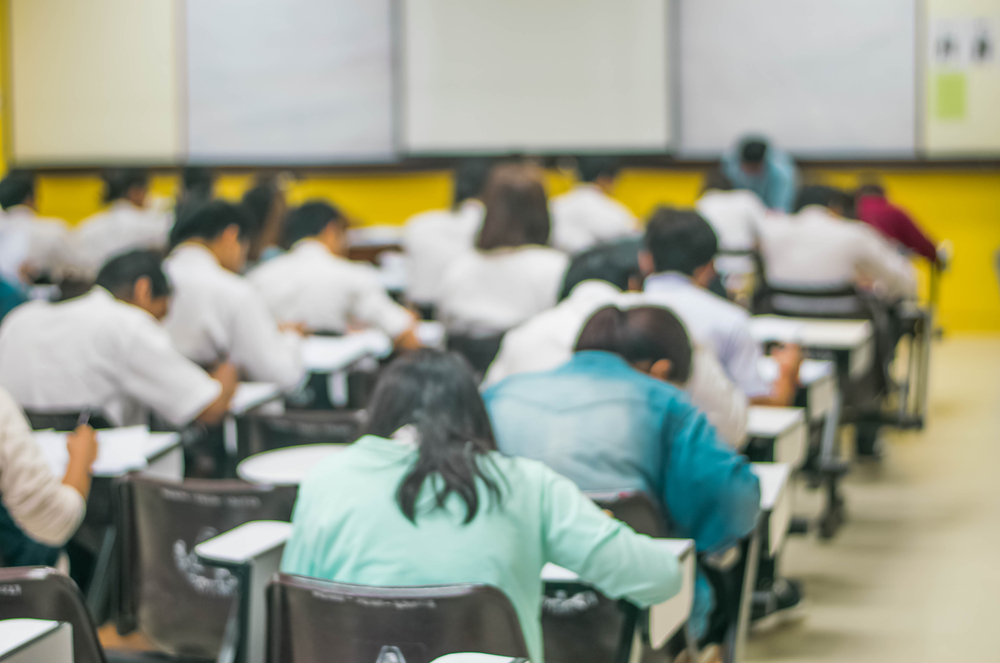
[950,96]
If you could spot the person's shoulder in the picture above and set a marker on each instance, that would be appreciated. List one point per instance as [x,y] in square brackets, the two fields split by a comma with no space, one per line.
[544,256]
[428,218]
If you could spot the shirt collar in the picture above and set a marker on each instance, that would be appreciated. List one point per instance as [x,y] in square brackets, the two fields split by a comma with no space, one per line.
[599,359]
[103,295]
[592,291]
[194,252]
[311,245]
[664,280]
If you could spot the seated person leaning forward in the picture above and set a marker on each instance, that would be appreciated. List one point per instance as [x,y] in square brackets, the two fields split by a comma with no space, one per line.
[105,351]
[609,420]
[424,498]
[316,286]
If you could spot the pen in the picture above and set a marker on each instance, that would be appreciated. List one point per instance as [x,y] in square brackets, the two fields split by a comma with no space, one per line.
[84,418]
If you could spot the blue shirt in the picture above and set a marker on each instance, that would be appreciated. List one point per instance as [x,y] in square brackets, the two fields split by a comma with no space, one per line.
[776,185]
[10,296]
[606,426]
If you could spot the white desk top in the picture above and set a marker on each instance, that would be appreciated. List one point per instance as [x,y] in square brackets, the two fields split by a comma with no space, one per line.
[245,542]
[377,235]
[679,547]
[15,633]
[811,371]
[253,394]
[470,657]
[767,421]
[120,450]
[327,354]
[773,479]
[285,467]
[809,332]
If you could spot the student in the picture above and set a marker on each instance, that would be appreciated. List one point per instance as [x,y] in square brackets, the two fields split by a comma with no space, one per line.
[588,215]
[512,274]
[44,240]
[315,286]
[125,225]
[39,512]
[677,257]
[217,315]
[433,240]
[197,184]
[872,207]
[765,170]
[609,421]
[425,499]
[734,214]
[597,278]
[105,351]
[819,248]
[267,206]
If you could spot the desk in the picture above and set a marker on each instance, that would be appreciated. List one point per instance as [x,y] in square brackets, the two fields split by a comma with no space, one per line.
[784,428]
[852,339]
[35,641]
[332,354]
[776,497]
[285,467]
[120,451]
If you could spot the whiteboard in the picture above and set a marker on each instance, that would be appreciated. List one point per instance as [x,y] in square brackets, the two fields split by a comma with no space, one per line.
[93,82]
[289,81]
[820,78]
[531,75]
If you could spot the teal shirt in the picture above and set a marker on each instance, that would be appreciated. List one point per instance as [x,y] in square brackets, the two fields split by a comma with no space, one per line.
[348,527]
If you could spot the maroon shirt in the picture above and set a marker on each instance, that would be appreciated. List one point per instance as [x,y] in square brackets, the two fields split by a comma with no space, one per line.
[895,224]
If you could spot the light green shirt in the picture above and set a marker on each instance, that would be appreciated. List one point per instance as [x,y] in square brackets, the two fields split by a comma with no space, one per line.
[348,527]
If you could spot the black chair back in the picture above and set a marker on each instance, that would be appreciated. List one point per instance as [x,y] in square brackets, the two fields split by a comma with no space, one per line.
[315,621]
[39,592]
[181,606]
[65,420]
[259,432]
[480,352]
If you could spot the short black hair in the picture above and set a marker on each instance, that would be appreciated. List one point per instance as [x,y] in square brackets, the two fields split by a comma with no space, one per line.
[470,179]
[197,181]
[592,168]
[680,240]
[209,220]
[716,179]
[16,187]
[615,263]
[119,275]
[119,181]
[820,194]
[643,333]
[309,220]
[753,151]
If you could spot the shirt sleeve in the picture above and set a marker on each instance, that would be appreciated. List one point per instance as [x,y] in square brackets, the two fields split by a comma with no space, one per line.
[604,552]
[260,348]
[782,183]
[716,395]
[742,362]
[879,260]
[708,488]
[44,508]
[911,236]
[375,308]
[157,375]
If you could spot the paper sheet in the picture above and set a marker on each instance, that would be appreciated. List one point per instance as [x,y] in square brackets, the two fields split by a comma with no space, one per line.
[324,354]
[120,450]
[251,394]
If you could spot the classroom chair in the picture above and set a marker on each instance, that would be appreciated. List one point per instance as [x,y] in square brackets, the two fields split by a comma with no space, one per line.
[480,352]
[180,606]
[261,432]
[314,621]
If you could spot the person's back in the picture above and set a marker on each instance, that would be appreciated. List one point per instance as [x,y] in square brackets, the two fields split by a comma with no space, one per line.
[586,215]
[45,239]
[735,214]
[767,171]
[895,224]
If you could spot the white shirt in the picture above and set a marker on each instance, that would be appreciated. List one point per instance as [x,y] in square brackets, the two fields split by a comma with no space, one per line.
[585,216]
[735,216]
[488,292]
[432,241]
[46,239]
[121,228]
[328,293]
[97,352]
[714,323]
[818,249]
[547,341]
[217,315]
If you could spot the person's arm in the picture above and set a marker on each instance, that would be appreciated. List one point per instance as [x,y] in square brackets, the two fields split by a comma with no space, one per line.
[708,488]
[782,182]
[879,261]
[259,347]
[786,385]
[604,552]
[911,236]
[374,307]
[47,509]
[716,395]
[228,376]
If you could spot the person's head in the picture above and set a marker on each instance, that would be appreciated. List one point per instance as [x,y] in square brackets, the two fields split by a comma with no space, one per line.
[716,180]
[616,263]
[137,278]
[753,152]
[679,240]
[318,220]
[870,185]
[17,188]
[651,338]
[131,184]
[197,183]
[834,199]
[266,204]
[599,170]
[517,212]
[222,227]
[436,393]
[470,179]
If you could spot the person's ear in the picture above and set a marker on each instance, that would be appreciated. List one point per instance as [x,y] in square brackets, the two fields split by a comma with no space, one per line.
[646,264]
[703,275]
[661,369]
[634,284]
[142,291]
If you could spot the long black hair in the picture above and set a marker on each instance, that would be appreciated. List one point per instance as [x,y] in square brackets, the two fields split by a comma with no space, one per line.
[436,393]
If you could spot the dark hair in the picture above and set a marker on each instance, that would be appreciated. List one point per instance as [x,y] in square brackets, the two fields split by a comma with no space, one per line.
[679,240]
[753,151]
[827,196]
[717,179]
[470,179]
[209,220]
[260,202]
[592,168]
[436,393]
[615,263]
[16,187]
[870,190]
[197,182]
[119,181]
[309,220]
[119,275]
[643,333]
[517,212]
